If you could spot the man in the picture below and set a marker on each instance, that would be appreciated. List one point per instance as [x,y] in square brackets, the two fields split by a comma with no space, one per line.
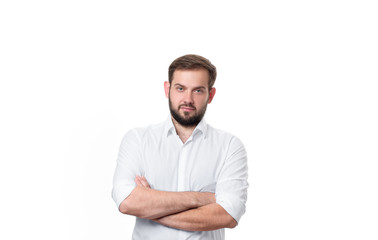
[182,179]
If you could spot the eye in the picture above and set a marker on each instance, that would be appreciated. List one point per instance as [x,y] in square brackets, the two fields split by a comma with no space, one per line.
[180,89]
[198,91]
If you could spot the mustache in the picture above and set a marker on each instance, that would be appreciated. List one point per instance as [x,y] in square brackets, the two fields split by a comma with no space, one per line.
[187,105]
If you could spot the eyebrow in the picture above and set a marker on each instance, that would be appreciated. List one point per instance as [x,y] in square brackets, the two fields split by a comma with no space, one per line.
[180,85]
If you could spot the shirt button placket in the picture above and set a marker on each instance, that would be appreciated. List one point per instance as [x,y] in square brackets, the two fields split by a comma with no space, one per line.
[182,168]
[181,186]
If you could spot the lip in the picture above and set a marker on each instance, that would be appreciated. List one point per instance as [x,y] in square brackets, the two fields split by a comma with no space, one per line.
[188,109]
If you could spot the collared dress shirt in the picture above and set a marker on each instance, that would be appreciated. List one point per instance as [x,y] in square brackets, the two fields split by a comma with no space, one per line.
[209,161]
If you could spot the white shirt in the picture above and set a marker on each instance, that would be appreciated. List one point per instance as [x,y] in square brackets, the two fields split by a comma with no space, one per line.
[209,161]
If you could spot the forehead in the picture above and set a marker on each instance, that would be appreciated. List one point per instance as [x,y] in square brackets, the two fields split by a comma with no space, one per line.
[191,77]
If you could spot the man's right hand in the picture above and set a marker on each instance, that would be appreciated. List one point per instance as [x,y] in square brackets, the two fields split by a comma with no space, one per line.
[141,181]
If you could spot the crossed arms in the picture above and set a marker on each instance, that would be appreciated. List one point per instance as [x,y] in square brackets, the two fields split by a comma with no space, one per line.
[190,211]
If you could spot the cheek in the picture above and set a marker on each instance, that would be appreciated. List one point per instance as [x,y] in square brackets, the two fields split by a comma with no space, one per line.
[174,99]
[173,96]
[202,100]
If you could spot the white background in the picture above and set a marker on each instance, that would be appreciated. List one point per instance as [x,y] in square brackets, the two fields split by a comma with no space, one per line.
[297,82]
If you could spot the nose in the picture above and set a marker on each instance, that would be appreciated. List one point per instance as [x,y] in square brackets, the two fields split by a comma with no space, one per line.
[188,97]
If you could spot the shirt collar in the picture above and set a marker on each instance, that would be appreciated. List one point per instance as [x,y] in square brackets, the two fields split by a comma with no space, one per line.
[201,127]
[169,128]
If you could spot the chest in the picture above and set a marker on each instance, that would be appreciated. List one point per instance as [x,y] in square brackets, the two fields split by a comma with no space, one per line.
[193,166]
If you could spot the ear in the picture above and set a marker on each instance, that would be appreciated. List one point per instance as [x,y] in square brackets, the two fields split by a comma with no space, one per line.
[211,95]
[166,88]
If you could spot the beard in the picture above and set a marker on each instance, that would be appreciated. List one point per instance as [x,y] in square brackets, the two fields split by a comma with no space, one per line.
[187,120]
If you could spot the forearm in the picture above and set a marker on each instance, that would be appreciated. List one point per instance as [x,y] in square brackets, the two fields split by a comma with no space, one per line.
[206,218]
[151,204]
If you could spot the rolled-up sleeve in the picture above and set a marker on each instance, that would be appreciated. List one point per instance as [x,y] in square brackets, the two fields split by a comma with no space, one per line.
[232,184]
[128,166]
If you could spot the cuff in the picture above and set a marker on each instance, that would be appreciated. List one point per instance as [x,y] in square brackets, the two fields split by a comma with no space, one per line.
[234,207]
[121,193]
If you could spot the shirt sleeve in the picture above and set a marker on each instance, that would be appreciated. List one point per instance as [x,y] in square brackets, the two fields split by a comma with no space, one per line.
[128,166]
[232,185]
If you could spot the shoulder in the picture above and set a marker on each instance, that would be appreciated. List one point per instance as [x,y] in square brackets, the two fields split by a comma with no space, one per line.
[228,142]
[141,133]
[225,137]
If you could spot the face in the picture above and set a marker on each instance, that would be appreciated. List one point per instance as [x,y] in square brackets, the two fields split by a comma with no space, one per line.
[189,95]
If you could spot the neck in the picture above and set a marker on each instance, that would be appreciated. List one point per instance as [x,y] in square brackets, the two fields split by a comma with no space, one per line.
[184,132]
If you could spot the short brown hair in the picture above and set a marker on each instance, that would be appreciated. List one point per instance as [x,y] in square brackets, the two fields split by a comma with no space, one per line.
[192,61]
